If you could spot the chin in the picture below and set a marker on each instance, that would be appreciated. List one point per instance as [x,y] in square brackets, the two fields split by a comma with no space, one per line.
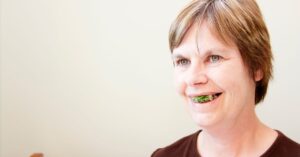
[205,120]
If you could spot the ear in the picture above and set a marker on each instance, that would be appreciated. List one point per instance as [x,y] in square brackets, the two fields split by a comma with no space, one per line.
[258,75]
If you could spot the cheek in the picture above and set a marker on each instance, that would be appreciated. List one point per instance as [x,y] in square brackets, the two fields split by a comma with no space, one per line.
[235,81]
[227,78]
[179,83]
[220,76]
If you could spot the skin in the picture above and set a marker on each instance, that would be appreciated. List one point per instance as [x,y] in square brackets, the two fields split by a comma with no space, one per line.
[229,123]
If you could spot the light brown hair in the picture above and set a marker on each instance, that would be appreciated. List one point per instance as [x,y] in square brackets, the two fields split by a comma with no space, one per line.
[233,21]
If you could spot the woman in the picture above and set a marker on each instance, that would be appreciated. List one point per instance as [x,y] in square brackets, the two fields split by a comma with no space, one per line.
[222,63]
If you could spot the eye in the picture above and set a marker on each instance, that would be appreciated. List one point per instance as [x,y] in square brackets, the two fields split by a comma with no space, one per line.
[214,58]
[182,62]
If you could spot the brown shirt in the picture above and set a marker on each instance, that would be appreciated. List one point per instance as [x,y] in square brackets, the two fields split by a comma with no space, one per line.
[187,147]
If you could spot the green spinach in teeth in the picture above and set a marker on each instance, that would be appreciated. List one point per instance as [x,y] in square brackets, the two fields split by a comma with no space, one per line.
[202,99]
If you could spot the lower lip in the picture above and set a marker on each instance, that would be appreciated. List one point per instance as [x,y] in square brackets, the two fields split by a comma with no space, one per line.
[204,107]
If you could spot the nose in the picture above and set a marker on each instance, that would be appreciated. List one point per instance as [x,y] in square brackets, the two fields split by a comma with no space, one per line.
[196,76]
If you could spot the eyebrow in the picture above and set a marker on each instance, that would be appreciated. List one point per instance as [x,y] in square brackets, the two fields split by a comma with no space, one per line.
[175,56]
[207,52]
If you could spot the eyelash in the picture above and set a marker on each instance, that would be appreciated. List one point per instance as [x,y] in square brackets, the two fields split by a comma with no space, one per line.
[210,59]
[180,62]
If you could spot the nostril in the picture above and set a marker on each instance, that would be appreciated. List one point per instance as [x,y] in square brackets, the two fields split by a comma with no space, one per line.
[197,79]
[37,155]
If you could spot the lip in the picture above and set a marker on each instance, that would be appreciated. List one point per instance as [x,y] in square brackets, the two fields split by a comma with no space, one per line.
[201,94]
[207,106]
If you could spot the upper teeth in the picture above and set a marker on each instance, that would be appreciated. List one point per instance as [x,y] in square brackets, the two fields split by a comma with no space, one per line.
[204,98]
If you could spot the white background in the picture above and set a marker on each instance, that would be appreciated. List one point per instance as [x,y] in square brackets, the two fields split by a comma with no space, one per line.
[93,78]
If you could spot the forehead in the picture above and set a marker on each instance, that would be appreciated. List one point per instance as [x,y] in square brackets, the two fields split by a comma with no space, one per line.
[201,38]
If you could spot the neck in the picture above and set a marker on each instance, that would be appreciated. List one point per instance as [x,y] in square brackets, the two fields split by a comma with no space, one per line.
[234,139]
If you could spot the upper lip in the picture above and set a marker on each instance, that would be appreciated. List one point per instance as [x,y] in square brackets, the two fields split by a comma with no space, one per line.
[192,95]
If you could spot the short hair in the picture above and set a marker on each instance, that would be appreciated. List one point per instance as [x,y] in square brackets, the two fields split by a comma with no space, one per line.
[236,21]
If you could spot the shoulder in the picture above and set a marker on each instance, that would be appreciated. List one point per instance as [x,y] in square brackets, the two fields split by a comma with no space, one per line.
[283,146]
[185,146]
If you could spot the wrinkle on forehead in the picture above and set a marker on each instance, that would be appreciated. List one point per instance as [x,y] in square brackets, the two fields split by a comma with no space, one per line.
[203,30]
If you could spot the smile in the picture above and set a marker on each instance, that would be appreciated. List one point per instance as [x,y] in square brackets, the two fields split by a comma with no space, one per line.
[205,98]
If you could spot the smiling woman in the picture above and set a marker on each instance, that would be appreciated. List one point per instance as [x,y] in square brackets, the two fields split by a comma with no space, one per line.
[222,65]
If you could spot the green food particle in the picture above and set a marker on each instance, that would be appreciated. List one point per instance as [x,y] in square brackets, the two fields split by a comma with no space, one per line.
[201,99]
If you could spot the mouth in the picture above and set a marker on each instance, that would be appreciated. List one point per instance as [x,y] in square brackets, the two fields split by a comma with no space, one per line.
[205,98]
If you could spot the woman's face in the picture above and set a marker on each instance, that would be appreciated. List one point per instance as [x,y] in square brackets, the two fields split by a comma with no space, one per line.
[216,70]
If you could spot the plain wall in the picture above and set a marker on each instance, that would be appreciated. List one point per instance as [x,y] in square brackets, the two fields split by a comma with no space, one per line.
[90,78]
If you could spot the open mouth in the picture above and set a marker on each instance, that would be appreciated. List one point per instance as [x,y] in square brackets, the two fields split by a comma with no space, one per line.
[205,98]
